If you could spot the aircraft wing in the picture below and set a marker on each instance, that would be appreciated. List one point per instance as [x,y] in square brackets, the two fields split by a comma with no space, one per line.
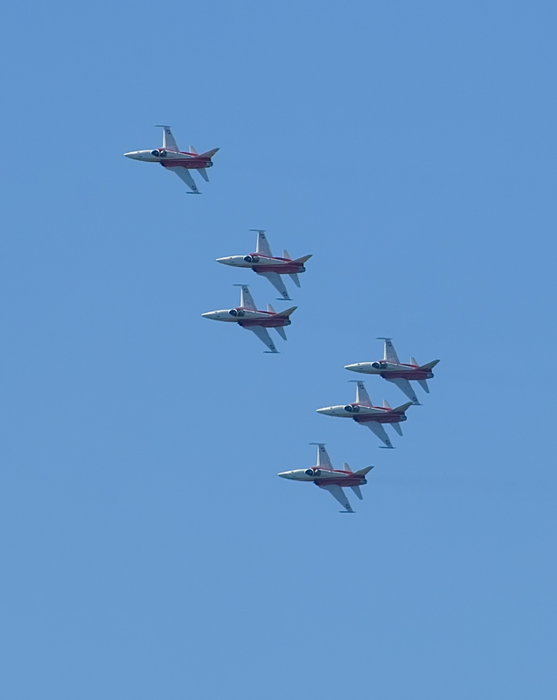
[390,352]
[185,175]
[276,280]
[262,246]
[263,334]
[379,430]
[405,386]
[338,493]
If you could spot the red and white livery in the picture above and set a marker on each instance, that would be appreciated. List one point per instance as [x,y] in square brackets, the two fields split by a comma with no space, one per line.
[332,480]
[248,316]
[395,371]
[373,417]
[263,262]
[176,161]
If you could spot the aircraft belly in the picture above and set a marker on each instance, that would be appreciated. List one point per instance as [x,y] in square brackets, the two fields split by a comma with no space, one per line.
[396,418]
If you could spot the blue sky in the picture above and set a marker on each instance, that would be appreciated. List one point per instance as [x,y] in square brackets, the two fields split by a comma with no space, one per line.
[148,548]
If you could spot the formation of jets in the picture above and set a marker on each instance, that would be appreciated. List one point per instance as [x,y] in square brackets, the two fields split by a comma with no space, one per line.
[248,316]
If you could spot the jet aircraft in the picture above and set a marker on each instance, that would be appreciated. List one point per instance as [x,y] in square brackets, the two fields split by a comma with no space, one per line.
[391,369]
[332,480]
[248,316]
[373,417]
[264,263]
[176,161]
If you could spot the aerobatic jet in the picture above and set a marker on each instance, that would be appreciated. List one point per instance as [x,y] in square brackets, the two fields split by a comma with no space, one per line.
[373,417]
[264,263]
[248,316]
[176,161]
[332,480]
[393,370]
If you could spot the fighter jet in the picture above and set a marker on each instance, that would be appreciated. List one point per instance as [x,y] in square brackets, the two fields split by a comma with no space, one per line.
[373,417]
[247,316]
[264,263]
[332,480]
[391,369]
[176,161]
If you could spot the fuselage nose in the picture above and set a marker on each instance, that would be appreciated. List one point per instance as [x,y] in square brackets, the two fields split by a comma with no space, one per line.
[211,314]
[329,410]
[287,475]
[365,367]
[235,260]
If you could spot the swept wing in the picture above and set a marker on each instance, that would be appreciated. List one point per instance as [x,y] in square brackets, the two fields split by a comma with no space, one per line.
[263,334]
[185,175]
[338,493]
[276,280]
[379,430]
[405,386]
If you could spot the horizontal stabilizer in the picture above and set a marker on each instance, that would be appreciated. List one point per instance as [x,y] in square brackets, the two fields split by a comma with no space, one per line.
[346,467]
[192,150]
[397,427]
[303,259]
[404,407]
[288,312]
[203,174]
[357,491]
[423,384]
[386,404]
[270,308]
[209,154]
[286,255]
[295,278]
[430,365]
[280,330]
[364,471]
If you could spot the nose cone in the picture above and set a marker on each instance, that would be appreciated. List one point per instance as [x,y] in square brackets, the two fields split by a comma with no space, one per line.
[211,314]
[286,475]
[364,367]
[353,368]
[234,260]
[328,411]
[136,155]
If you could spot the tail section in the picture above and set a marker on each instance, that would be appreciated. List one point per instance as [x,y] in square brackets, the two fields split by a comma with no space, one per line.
[295,279]
[357,491]
[303,259]
[386,404]
[209,154]
[346,467]
[280,330]
[423,384]
[288,312]
[363,472]
[270,309]
[286,255]
[430,365]
[192,150]
[403,408]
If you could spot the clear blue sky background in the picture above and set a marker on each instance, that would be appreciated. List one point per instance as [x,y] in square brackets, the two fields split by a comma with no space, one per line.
[148,548]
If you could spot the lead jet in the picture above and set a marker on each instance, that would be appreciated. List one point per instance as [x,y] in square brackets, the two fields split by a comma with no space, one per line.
[176,161]
[332,480]
[264,263]
[248,316]
[373,417]
[393,370]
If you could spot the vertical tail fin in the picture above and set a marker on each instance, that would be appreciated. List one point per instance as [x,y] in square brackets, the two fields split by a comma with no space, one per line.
[414,362]
[192,150]
[386,404]
[346,467]
[286,255]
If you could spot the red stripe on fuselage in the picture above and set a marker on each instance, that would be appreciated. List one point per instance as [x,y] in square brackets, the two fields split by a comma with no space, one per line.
[274,321]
